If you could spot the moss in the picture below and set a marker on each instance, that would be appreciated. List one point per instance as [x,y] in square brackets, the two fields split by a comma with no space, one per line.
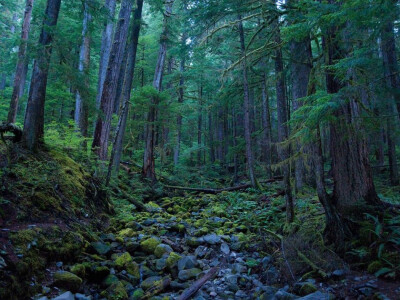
[150,245]
[161,250]
[374,266]
[307,288]
[110,280]
[127,232]
[126,262]
[172,260]
[79,270]
[117,292]
[137,294]
[67,280]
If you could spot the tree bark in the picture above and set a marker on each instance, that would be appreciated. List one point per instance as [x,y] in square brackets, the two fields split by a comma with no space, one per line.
[247,129]
[266,123]
[103,124]
[200,126]
[106,41]
[180,101]
[148,159]
[81,102]
[128,82]
[20,73]
[283,131]
[34,117]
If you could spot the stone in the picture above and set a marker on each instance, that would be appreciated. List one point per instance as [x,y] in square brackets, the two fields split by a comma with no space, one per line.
[65,296]
[241,294]
[188,274]
[192,241]
[117,292]
[239,268]
[307,288]
[131,247]
[162,249]
[150,282]
[59,264]
[213,294]
[225,249]
[137,294]
[282,295]
[79,270]
[125,262]
[232,282]
[161,264]
[212,239]
[82,297]
[101,248]
[172,260]
[110,280]
[201,251]
[266,261]
[317,296]
[338,274]
[150,245]
[67,280]
[187,262]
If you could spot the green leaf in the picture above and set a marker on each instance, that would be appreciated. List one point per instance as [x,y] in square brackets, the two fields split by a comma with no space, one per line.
[382,271]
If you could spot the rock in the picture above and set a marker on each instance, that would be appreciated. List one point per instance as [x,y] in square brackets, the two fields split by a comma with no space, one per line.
[67,281]
[201,251]
[65,296]
[241,294]
[187,262]
[117,292]
[307,288]
[178,285]
[43,298]
[101,248]
[59,264]
[162,249]
[125,262]
[79,270]
[150,282]
[188,274]
[238,268]
[99,273]
[82,297]
[225,249]
[232,282]
[149,222]
[338,274]
[150,245]
[317,296]
[192,241]
[172,260]
[161,264]
[266,261]
[110,280]
[137,294]
[282,295]
[131,247]
[213,294]
[212,239]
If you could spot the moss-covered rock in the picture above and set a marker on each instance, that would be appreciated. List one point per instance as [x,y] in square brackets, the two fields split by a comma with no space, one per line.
[137,294]
[117,292]
[150,282]
[374,266]
[150,245]
[79,270]
[188,274]
[172,260]
[110,280]
[67,280]
[307,288]
[127,232]
[162,249]
[125,262]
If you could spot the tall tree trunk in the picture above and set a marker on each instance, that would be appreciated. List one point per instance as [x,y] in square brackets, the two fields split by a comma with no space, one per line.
[180,101]
[267,130]
[103,124]
[247,125]
[351,171]
[20,73]
[127,88]
[211,137]
[200,126]
[283,131]
[148,159]
[81,102]
[300,67]
[118,102]
[34,117]
[106,41]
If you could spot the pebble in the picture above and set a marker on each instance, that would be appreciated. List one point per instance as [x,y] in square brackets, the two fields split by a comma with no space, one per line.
[225,248]
[65,296]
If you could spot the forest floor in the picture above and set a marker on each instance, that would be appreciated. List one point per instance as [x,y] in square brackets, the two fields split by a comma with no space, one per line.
[55,243]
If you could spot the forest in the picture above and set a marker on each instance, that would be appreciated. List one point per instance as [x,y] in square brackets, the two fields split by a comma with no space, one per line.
[199,149]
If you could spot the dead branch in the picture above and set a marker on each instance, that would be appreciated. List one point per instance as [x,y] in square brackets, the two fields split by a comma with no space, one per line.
[189,292]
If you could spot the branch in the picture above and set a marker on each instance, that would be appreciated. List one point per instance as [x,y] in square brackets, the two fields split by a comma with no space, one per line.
[189,292]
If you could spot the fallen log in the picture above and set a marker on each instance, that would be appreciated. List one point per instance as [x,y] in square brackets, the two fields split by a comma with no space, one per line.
[189,292]
[174,246]
[217,191]
[12,128]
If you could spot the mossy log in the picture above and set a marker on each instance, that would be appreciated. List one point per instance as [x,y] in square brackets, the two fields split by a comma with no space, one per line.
[158,287]
[217,191]
[11,128]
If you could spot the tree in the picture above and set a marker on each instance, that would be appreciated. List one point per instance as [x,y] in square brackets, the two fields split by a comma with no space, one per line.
[148,159]
[34,118]
[103,124]
[81,104]
[20,73]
